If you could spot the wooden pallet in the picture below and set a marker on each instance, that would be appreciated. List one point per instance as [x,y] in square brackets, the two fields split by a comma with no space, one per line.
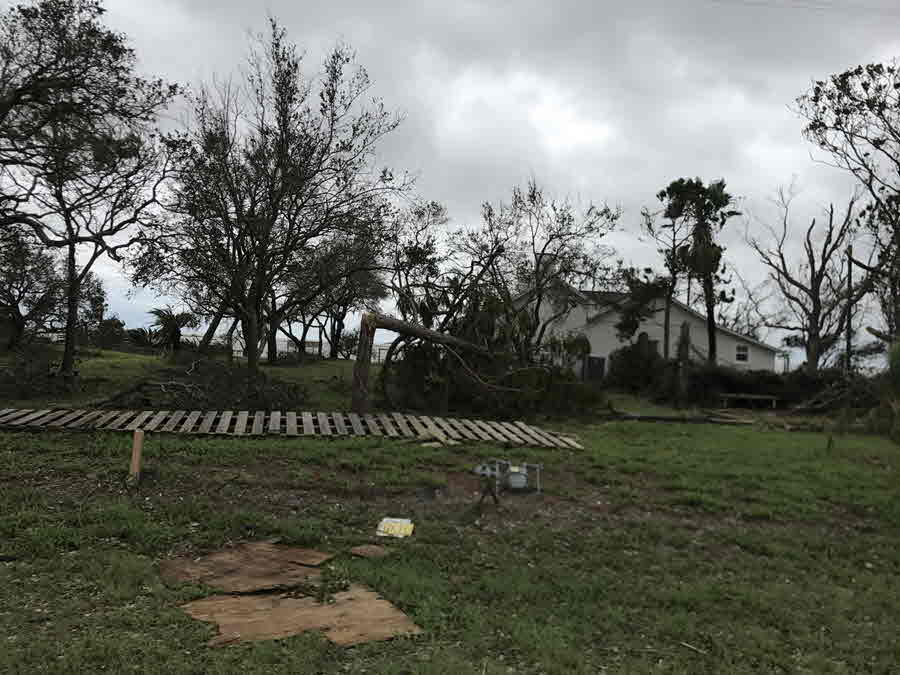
[262,423]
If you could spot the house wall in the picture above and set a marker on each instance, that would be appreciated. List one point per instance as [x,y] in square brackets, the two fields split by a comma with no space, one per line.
[601,332]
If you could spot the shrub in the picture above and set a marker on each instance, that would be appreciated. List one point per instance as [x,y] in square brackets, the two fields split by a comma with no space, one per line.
[635,369]
[426,378]
[32,374]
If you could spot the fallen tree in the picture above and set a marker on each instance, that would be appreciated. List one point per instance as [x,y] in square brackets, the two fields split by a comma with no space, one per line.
[372,321]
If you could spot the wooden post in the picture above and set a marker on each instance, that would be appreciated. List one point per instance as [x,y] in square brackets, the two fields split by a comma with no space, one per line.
[137,447]
[361,403]
[848,356]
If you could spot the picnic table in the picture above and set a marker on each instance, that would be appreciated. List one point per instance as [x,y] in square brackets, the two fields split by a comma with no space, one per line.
[727,398]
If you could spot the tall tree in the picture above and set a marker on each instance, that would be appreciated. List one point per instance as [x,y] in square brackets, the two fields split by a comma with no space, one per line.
[546,248]
[812,282]
[854,116]
[267,173]
[80,164]
[30,287]
[706,208]
[673,237]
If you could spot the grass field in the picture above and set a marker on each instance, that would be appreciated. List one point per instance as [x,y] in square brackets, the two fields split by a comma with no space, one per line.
[659,549]
[104,373]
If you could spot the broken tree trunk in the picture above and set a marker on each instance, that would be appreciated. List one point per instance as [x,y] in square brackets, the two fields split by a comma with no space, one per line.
[370,323]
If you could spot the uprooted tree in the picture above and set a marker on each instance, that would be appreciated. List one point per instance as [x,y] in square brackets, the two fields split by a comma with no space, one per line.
[481,308]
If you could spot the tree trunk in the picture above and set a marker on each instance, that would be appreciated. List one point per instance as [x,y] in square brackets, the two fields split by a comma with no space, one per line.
[272,337]
[813,354]
[229,340]
[360,399]
[67,369]
[17,329]
[303,335]
[710,299]
[251,340]
[337,329]
[667,322]
[211,331]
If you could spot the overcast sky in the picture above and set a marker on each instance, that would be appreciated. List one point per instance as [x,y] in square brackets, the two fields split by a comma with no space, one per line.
[602,101]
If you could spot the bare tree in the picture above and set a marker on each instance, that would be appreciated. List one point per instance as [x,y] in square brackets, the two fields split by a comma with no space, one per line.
[812,287]
[854,116]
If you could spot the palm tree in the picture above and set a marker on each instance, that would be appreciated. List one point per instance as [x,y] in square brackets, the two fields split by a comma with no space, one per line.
[169,326]
[143,337]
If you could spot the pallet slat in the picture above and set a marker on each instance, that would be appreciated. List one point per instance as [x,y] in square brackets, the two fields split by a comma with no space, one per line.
[309,427]
[338,420]
[47,419]
[462,429]
[259,420]
[103,419]
[545,438]
[173,421]
[446,428]
[82,419]
[528,439]
[27,418]
[156,421]
[224,422]
[291,424]
[356,424]
[526,431]
[120,420]
[241,423]
[435,430]
[402,425]
[514,433]
[139,420]
[372,424]
[275,422]
[207,423]
[388,426]
[494,435]
[417,426]
[190,422]
[13,413]
[324,426]
[62,421]
[479,433]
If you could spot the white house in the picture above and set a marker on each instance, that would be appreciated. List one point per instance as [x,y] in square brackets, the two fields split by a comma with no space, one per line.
[596,314]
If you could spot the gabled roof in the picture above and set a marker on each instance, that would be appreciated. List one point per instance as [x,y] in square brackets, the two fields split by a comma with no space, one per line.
[607,301]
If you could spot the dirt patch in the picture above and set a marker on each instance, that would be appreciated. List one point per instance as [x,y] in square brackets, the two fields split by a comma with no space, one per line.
[257,566]
[357,615]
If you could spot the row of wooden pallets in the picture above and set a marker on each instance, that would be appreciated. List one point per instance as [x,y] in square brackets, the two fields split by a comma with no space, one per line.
[241,423]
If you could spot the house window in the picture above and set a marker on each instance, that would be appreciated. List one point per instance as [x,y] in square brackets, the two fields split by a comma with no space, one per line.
[742,353]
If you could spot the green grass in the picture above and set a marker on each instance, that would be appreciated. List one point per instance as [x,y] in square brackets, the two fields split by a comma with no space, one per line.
[660,548]
[99,377]
[103,373]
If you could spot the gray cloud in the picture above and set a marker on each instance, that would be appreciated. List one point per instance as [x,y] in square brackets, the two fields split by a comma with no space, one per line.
[605,100]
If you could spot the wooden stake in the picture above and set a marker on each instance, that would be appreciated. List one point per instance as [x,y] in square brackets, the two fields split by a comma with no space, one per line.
[137,447]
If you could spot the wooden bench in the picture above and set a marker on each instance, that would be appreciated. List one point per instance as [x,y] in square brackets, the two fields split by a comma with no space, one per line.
[726,398]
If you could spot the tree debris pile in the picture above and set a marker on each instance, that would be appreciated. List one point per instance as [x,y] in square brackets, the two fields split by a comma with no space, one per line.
[211,385]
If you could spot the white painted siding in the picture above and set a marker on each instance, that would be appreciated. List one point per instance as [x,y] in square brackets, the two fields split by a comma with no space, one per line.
[601,332]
